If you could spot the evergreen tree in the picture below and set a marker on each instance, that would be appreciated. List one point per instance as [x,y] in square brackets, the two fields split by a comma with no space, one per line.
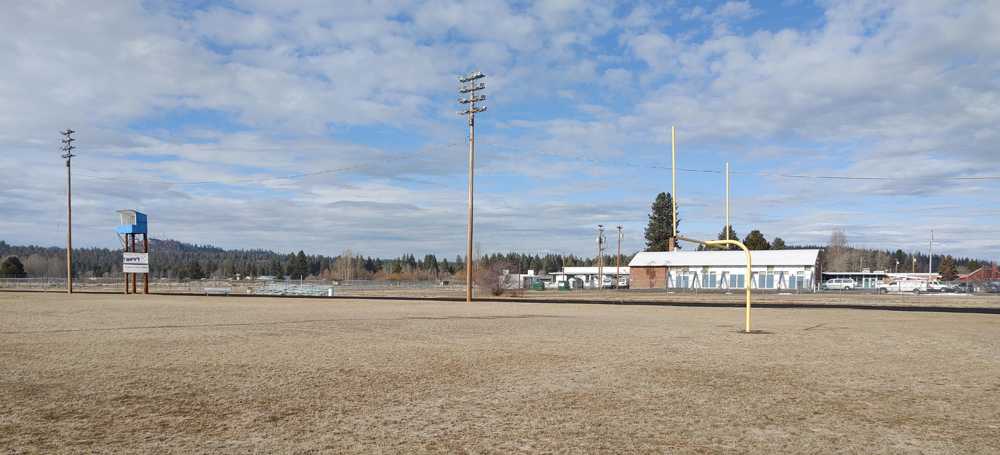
[755,240]
[275,269]
[430,263]
[778,244]
[732,235]
[660,229]
[194,271]
[947,269]
[300,266]
[12,268]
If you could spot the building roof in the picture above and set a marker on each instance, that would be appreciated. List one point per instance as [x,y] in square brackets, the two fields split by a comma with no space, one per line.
[608,270]
[869,273]
[723,258]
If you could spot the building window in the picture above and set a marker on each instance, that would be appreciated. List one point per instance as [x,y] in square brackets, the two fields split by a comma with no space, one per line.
[800,280]
[711,281]
[736,281]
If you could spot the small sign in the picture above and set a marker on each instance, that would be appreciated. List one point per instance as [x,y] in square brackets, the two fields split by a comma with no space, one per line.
[135,263]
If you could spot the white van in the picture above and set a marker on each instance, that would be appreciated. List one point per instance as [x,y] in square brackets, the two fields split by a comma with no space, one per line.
[840,284]
[914,286]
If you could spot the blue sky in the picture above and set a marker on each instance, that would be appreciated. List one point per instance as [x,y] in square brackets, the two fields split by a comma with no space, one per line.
[328,126]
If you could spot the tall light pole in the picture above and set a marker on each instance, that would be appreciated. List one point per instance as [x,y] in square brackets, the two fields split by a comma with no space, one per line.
[618,259]
[68,155]
[468,87]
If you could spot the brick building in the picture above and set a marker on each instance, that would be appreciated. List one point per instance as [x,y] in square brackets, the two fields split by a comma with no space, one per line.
[981,275]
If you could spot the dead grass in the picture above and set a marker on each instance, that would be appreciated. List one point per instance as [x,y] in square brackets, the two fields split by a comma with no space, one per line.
[98,373]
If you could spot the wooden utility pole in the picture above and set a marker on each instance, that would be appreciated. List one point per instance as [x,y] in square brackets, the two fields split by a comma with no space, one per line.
[600,256]
[618,259]
[145,276]
[68,155]
[727,201]
[470,86]
[673,188]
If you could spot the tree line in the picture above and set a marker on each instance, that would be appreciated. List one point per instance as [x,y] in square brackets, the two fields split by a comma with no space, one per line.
[175,260]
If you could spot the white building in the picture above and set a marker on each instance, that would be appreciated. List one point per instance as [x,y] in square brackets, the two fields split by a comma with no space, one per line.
[772,269]
[523,280]
[586,277]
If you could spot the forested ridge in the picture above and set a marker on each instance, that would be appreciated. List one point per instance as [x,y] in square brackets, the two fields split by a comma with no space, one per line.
[177,260]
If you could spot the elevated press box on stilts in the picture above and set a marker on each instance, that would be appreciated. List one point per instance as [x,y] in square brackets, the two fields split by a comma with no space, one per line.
[134,262]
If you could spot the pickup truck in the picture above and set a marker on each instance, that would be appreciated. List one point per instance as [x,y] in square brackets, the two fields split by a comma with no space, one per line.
[937,286]
[914,286]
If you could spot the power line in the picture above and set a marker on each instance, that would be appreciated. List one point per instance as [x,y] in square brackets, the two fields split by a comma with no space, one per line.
[749,173]
[229,182]
[608,163]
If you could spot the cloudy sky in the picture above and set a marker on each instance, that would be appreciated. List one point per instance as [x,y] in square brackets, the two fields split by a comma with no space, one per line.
[325,125]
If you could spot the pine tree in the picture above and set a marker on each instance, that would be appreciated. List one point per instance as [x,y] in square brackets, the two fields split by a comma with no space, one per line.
[301,265]
[778,244]
[755,240]
[194,270]
[947,269]
[732,235]
[12,268]
[660,229]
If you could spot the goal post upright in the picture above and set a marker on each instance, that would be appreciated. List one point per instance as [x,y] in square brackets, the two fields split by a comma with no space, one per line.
[749,271]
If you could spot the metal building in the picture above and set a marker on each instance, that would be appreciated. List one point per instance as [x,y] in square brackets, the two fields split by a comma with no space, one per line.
[772,269]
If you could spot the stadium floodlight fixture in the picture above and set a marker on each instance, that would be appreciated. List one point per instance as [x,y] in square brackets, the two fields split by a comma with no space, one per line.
[471,87]
[472,110]
[472,99]
[471,77]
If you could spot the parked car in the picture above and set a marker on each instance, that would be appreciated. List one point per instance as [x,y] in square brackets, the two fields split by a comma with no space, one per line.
[937,286]
[914,286]
[964,288]
[844,284]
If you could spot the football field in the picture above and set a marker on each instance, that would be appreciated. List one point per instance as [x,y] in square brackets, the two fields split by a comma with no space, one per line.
[182,374]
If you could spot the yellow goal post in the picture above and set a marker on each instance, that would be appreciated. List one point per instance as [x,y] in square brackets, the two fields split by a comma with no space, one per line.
[737,243]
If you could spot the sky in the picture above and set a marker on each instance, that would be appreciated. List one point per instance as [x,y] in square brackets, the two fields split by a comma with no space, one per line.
[326,126]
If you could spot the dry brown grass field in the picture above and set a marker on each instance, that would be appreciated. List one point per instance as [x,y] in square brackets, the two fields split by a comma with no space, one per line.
[178,374]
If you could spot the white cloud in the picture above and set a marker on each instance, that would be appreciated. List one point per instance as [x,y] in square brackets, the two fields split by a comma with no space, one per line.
[907,89]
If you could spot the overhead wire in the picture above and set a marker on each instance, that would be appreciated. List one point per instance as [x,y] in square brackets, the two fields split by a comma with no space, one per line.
[749,173]
[609,163]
